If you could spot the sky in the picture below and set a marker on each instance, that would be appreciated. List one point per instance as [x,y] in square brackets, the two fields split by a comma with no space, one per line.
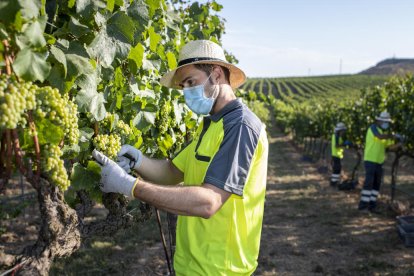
[283,38]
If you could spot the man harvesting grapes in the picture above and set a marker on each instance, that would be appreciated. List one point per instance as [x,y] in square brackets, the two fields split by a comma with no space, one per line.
[376,142]
[223,170]
[338,143]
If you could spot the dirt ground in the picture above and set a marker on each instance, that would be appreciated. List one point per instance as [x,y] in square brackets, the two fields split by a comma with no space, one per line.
[309,228]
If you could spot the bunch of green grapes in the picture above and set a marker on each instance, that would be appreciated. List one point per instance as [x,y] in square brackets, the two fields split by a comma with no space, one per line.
[108,144]
[123,129]
[58,109]
[163,117]
[53,165]
[15,99]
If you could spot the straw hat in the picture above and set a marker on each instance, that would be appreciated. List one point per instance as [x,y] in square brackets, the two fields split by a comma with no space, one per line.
[384,117]
[340,126]
[203,52]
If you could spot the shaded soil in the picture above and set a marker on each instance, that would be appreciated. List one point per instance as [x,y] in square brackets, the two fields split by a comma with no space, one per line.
[309,228]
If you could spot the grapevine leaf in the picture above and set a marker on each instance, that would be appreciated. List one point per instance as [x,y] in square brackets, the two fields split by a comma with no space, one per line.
[110,4]
[86,8]
[144,119]
[33,34]
[71,3]
[87,82]
[85,137]
[165,143]
[103,48]
[85,178]
[48,132]
[8,10]
[76,28]
[60,57]
[152,7]
[172,62]
[70,152]
[31,65]
[56,78]
[121,27]
[93,102]
[30,8]
[78,65]
[138,10]
[155,38]
[3,34]
[137,54]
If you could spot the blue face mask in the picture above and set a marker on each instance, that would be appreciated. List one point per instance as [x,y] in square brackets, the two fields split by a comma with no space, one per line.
[385,126]
[197,101]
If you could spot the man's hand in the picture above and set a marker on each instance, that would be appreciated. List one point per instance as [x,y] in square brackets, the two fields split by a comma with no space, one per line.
[129,158]
[113,178]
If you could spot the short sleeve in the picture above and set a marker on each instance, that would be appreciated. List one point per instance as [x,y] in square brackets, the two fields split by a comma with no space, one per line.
[180,159]
[230,166]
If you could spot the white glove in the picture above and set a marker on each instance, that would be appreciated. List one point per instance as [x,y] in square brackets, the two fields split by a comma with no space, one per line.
[129,158]
[113,178]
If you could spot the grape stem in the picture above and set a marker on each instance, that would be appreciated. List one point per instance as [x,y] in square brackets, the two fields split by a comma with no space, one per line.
[96,128]
[36,143]
[6,57]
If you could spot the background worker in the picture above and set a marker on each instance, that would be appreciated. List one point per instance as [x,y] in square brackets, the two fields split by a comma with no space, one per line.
[223,170]
[377,140]
[338,143]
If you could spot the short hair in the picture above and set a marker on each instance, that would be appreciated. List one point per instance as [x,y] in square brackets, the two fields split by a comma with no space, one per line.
[208,68]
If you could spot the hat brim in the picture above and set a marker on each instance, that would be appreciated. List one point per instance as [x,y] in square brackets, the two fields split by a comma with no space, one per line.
[341,128]
[383,119]
[237,76]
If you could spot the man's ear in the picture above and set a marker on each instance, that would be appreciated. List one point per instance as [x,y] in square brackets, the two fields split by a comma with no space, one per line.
[217,74]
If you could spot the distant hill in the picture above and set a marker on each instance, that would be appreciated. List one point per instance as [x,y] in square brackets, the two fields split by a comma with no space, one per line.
[391,66]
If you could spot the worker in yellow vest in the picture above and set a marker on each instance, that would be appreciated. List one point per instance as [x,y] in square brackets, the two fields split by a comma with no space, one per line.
[377,140]
[217,184]
[338,143]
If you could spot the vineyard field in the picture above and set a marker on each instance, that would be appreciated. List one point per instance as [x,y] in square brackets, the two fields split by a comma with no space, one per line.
[299,89]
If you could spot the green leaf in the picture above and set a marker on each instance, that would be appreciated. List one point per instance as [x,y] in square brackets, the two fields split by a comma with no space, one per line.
[31,66]
[85,178]
[155,38]
[165,143]
[103,48]
[78,65]
[119,80]
[144,119]
[8,10]
[70,152]
[60,57]
[153,5]
[30,8]
[139,11]
[121,27]
[172,62]
[71,3]
[32,34]
[76,28]
[48,132]
[93,102]
[110,5]
[86,8]
[137,54]
[56,78]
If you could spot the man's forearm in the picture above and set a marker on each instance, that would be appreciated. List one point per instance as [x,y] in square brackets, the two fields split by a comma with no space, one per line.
[180,200]
[160,171]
